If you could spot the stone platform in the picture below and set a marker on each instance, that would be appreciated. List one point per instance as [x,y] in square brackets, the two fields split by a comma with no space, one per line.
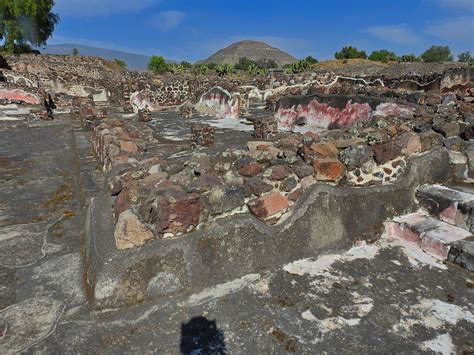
[325,302]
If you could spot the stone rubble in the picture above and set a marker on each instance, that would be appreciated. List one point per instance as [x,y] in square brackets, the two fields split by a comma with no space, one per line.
[325,128]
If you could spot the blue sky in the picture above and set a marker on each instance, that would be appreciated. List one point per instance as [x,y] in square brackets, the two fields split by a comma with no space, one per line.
[194,29]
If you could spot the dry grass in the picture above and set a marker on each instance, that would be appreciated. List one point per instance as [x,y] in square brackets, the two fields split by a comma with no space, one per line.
[338,64]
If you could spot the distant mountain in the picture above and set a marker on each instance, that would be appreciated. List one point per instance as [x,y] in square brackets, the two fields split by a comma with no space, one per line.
[253,50]
[134,61]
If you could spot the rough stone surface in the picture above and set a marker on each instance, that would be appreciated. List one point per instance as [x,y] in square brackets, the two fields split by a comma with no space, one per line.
[258,186]
[303,170]
[383,153]
[64,286]
[325,150]
[251,170]
[356,156]
[130,232]
[222,201]
[268,206]
[328,169]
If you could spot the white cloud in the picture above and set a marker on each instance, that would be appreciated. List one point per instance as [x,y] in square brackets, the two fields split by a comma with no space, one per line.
[99,8]
[401,34]
[460,29]
[460,4]
[168,20]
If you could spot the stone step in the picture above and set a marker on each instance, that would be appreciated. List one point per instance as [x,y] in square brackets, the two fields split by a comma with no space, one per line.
[433,236]
[462,253]
[450,204]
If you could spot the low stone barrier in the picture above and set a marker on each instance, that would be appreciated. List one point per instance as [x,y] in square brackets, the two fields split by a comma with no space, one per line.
[325,217]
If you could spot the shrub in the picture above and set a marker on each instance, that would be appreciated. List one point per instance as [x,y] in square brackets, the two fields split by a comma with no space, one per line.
[186,64]
[350,53]
[267,64]
[311,60]
[254,70]
[409,58]
[176,68]
[466,57]
[244,64]
[23,48]
[120,63]
[383,55]
[437,54]
[75,52]
[158,65]
[261,65]
[224,69]
[200,69]
[298,67]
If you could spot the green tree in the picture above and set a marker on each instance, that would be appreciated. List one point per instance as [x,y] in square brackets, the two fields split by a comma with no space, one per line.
[261,66]
[158,65]
[75,52]
[383,55]
[244,64]
[252,70]
[25,22]
[465,57]
[186,64]
[224,69]
[409,58]
[350,53]
[437,54]
[311,60]
[298,67]
[255,70]
[120,63]
[267,64]
[200,69]
[177,68]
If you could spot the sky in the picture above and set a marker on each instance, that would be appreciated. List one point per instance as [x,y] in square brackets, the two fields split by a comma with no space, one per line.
[194,29]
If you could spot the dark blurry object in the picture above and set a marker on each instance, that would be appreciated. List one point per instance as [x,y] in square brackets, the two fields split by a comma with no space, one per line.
[201,336]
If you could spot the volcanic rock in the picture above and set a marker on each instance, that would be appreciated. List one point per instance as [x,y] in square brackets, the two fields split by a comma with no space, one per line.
[130,232]
[328,169]
[269,205]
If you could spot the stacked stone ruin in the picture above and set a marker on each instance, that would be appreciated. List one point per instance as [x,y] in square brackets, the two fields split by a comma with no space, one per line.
[265,127]
[202,135]
[325,128]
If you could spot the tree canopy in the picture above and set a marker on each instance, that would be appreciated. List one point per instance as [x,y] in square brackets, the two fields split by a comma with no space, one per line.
[311,60]
[121,63]
[350,53]
[26,22]
[158,65]
[466,57]
[437,54]
[383,55]
[409,58]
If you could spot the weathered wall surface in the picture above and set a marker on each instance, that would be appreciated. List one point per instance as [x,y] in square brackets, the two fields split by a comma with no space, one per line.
[17,95]
[324,218]
[219,103]
[66,77]
[317,113]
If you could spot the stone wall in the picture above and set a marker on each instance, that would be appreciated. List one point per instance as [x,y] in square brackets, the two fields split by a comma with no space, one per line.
[68,76]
